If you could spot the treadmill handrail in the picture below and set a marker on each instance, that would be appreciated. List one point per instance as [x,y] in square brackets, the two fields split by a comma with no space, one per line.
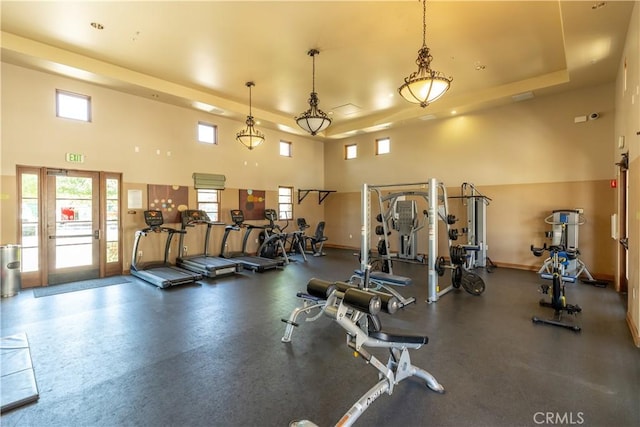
[160,229]
[145,232]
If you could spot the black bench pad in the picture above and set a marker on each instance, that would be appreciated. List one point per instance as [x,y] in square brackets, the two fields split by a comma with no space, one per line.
[389,336]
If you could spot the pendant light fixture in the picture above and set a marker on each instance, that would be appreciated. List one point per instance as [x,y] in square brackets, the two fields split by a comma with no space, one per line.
[250,137]
[425,85]
[313,120]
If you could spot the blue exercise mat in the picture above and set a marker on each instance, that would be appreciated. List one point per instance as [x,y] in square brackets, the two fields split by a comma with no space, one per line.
[18,381]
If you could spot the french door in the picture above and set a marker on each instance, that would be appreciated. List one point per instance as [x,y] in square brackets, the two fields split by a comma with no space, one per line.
[69,225]
[623,257]
[73,226]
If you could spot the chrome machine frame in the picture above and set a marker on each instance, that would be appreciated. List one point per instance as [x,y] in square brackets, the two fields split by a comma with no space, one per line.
[436,198]
[476,203]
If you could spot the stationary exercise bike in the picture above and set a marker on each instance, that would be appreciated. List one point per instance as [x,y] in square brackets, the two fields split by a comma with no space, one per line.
[560,258]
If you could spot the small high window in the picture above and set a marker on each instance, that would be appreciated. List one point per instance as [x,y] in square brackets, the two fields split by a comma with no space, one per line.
[383,146]
[350,151]
[285,149]
[207,133]
[73,106]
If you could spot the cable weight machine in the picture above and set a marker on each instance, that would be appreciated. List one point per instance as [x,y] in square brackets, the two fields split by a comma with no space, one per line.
[435,196]
[476,230]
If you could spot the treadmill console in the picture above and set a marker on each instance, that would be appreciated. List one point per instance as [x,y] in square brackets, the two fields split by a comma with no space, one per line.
[153,218]
[190,216]
[237,216]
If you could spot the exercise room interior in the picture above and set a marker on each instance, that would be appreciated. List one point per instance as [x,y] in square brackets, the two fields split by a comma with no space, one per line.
[532,156]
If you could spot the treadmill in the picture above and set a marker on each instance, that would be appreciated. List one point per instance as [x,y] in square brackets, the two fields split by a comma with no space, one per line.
[162,275]
[253,263]
[205,264]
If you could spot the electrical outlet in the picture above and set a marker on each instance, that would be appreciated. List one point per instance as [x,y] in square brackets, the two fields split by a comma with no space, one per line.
[184,250]
[139,254]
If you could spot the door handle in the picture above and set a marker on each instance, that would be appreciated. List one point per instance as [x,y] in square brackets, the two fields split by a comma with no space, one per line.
[625,243]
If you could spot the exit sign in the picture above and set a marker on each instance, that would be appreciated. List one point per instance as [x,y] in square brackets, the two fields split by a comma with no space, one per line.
[74,158]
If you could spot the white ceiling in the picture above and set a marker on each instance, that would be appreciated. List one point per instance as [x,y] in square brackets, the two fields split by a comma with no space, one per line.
[186,53]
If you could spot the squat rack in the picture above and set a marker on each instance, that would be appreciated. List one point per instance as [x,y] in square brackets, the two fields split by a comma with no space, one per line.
[436,198]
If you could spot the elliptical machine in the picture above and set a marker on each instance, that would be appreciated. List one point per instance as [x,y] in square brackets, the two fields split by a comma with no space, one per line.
[272,238]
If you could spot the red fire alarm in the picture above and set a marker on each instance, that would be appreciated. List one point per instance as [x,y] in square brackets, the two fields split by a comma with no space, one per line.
[613,183]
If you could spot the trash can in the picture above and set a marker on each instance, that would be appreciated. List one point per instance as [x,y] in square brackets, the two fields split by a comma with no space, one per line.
[10,279]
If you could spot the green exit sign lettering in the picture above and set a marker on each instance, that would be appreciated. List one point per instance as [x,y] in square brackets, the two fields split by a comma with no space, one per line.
[75,158]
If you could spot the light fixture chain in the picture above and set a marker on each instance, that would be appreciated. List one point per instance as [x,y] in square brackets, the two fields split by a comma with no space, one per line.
[424,23]
[313,73]
[312,53]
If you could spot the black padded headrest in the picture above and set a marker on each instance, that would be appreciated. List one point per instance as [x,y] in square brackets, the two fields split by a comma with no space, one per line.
[362,300]
[320,288]
[343,286]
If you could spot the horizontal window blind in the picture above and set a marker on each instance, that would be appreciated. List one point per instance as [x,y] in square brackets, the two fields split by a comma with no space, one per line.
[209,181]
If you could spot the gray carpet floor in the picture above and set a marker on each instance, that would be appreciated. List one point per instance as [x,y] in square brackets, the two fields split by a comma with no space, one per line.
[210,355]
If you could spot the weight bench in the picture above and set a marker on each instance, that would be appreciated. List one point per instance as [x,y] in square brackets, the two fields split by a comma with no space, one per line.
[356,311]
[384,280]
[320,294]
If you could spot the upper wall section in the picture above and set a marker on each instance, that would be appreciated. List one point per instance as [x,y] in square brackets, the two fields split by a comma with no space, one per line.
[628,92]
[532,141]
[149,141]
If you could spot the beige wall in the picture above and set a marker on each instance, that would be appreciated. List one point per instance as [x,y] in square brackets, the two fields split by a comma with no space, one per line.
[529,157]
[515,221]
[126,134]
[32,135]
[528,142]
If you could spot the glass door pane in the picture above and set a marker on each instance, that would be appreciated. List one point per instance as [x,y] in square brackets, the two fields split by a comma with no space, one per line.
[30,222]
[113,222]
[73,226]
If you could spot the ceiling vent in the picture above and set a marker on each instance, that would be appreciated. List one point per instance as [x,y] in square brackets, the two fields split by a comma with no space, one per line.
[522,96]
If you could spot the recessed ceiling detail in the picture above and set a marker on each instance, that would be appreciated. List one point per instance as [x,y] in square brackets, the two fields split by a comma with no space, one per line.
[543,47]
[346,109]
